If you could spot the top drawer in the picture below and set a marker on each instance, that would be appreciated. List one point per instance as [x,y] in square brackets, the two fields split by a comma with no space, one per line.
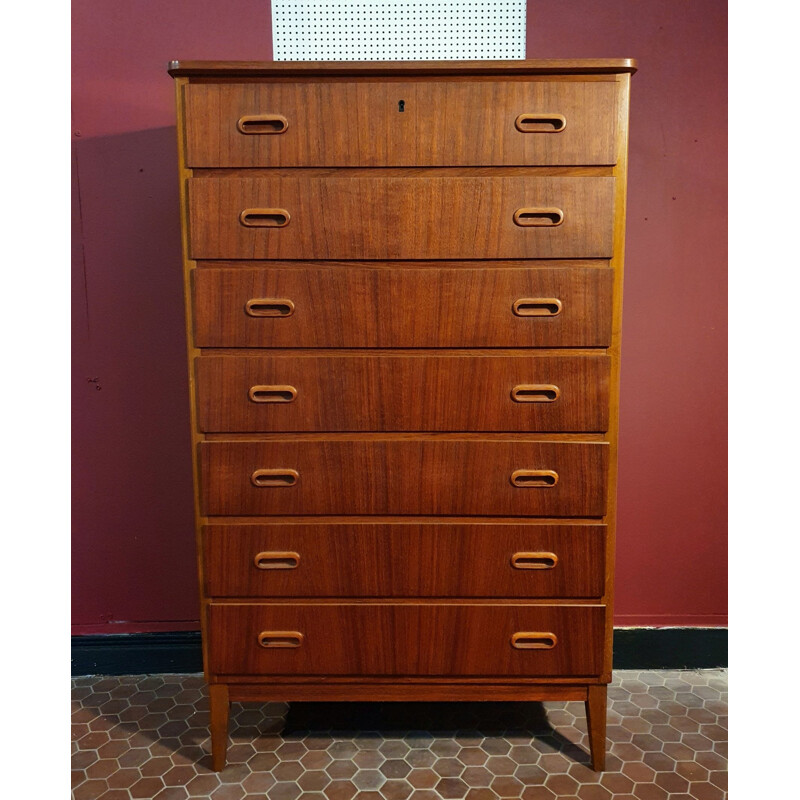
[361,124]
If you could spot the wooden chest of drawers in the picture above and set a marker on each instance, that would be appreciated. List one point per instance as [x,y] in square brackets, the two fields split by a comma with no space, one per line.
[403,292]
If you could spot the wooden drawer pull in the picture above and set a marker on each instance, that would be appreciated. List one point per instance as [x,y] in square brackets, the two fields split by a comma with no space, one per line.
[280,638]
[535,393]
[533,640]
[262,123]
[275,560]
[538,217]
[534,560]
[274,478]
[540,123]
[272,394]
[264,218]
[534,478]
[269,307]
[537,307]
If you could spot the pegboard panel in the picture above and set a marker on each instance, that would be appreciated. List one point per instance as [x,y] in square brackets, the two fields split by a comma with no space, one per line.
[304,30]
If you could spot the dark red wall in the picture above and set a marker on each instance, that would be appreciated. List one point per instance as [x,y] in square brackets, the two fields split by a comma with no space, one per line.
[133,546]
[672,532]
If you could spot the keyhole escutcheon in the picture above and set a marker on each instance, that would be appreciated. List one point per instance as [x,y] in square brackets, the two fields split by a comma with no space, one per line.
[401,106]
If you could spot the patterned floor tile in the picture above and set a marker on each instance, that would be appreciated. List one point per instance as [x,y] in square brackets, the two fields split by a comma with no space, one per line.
[146,738]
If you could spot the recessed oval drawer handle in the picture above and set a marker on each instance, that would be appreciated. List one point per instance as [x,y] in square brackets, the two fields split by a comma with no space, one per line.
[534,640]
[534,478]
[274,478]
[540,123]
[538,217]
[269,307]
[535,393]
[264,218]
[534,560]
[280,638]
[262,124]
[537,307]
[272,394]
[277,560]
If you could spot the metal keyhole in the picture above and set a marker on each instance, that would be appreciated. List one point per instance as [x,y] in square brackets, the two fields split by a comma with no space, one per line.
[401,106]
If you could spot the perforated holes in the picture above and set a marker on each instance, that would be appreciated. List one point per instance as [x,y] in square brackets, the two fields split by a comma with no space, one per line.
[396,31]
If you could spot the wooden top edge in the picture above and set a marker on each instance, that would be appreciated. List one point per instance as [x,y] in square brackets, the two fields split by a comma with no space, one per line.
[354,68]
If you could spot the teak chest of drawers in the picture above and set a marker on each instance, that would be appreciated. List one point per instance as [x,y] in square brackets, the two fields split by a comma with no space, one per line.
[403,291]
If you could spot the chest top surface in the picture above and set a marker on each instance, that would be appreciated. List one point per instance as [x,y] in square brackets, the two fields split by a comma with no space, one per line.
[549,66]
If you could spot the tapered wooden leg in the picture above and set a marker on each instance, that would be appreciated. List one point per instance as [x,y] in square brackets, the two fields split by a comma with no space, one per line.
[220,707]
[596,724]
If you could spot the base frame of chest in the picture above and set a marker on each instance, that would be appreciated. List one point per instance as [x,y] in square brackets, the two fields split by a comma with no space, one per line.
[221,695]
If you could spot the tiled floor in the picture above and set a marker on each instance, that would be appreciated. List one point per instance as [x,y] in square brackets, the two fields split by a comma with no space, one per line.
[146,737]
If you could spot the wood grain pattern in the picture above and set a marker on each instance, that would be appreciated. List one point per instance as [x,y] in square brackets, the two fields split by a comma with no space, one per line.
[390,69]
[621,170]
[402,690]
[403,477]
[427,306]
[423,392]
[404,436]
[187,267]
[404,560]
[529,171]
[468,221]
[396,218]
[352,124]
[420,639]
[219,711]
[596,714]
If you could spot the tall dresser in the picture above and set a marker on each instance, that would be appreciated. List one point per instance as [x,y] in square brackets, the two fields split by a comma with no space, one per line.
[403,291]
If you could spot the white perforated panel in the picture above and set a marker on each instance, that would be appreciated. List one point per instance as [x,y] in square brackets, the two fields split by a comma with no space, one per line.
[303,30]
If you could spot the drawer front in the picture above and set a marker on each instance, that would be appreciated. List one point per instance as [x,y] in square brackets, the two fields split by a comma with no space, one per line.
[396,476]
[426,307]
[402,393]
[359,124]
[410,639]
[337,217]
[358,559]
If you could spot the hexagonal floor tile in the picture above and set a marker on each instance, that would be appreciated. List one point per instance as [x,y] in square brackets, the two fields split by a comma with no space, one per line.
[147,737]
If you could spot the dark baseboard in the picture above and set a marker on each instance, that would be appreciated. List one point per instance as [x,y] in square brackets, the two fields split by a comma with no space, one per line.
[180,652]
[670,648]
[137,653]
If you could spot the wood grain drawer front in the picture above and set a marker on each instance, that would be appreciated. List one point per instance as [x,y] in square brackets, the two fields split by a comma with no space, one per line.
[396,476]
[402,393]
[404,560]
[340,124]
[425,307]
[407,639]
[338,217]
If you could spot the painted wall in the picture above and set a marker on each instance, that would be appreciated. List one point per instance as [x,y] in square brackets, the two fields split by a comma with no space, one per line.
[133,545]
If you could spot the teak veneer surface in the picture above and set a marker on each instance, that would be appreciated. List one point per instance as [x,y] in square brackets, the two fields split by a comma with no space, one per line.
[350,124]
[388,69]
[421,639]
[430,306]
[251,689]
[403,477]
[442,392]
[378,259]
[404,560]
[398,218]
